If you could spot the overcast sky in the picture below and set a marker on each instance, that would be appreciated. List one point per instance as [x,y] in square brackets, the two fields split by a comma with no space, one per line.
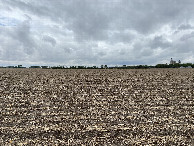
[95,32]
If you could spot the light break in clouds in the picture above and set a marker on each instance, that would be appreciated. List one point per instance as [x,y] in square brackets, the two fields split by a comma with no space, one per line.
[87,32]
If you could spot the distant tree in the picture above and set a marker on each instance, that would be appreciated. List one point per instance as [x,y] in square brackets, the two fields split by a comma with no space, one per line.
[72,67]
[162,66]
[81,67]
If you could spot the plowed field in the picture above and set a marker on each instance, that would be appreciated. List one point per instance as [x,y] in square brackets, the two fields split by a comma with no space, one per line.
[96,107]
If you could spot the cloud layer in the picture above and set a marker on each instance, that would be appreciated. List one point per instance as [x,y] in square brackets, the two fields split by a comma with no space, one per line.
[85,32]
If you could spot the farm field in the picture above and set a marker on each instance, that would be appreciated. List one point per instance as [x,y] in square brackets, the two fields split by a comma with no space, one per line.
[96,107]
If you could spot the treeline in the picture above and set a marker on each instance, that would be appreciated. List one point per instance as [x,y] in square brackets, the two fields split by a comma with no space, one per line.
[86,67]
[177,65]
[96,67]
[185,65]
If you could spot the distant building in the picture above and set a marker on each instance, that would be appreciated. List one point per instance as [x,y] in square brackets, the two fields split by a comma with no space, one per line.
[20,66]
[188,67]
[172,61]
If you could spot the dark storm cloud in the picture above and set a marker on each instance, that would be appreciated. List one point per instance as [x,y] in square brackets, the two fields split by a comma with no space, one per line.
[95,32]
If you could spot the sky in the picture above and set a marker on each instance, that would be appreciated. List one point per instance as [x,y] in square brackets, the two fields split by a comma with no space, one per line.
[95,32]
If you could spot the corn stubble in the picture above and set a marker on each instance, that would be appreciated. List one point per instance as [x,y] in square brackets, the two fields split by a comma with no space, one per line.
[97,107]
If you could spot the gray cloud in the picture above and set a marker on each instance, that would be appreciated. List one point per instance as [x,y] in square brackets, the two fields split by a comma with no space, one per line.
[187,36]
[159,41]
[23,35]
[98,32]
[185,27]
[17,42]
[49,39]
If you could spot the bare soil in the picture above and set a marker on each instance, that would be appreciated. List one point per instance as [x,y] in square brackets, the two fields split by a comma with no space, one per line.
[96,107]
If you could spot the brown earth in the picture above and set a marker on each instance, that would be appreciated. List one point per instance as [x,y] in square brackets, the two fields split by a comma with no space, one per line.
[96,107]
